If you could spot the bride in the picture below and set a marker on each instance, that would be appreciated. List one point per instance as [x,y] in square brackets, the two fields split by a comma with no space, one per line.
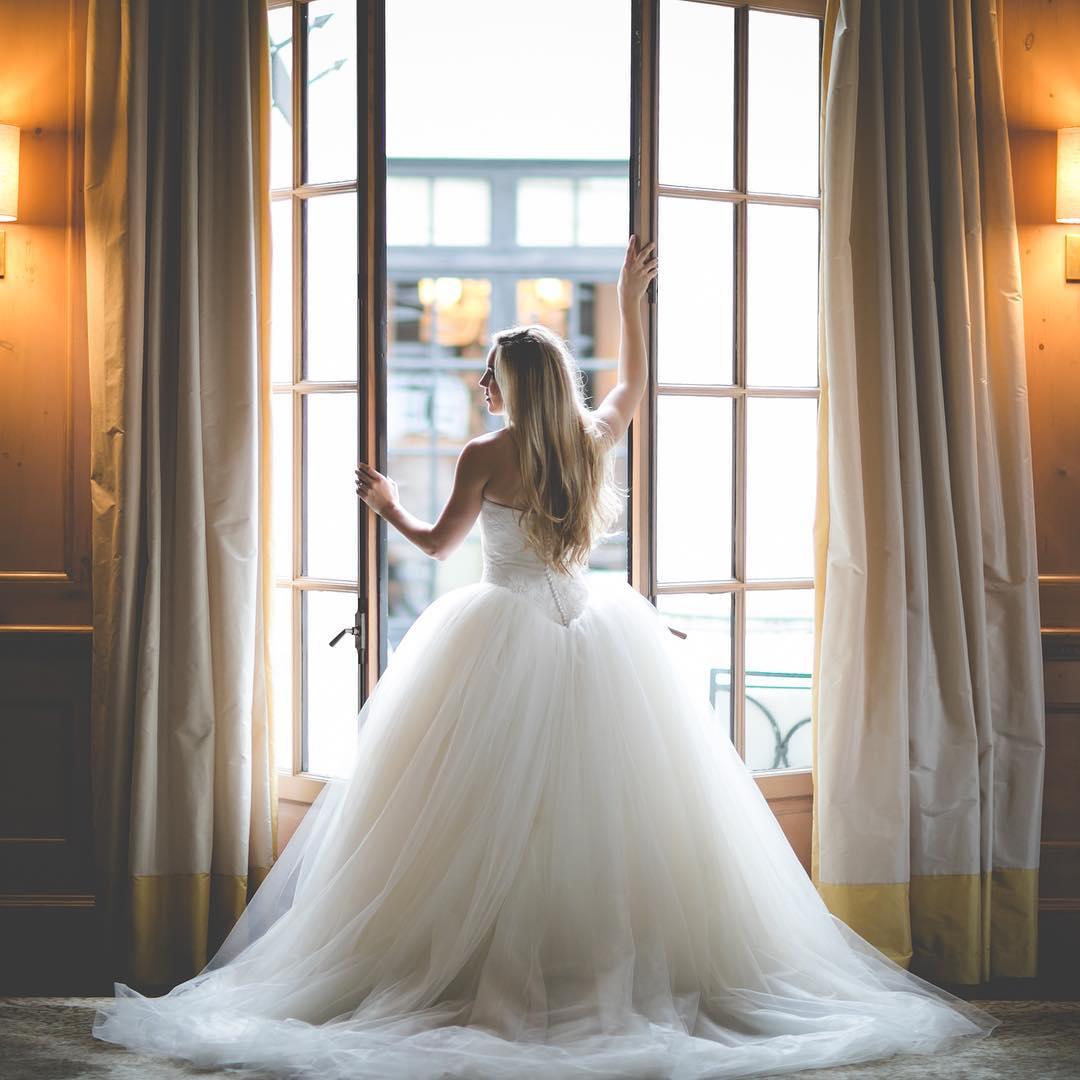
[547,859]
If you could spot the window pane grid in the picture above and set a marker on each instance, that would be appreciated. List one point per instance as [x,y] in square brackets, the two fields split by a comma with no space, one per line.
[764,725]
[297,640]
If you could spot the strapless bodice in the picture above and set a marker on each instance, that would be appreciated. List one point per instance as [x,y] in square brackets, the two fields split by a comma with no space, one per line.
[510,562]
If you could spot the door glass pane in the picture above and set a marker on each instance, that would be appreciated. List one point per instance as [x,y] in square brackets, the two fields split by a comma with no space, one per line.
[694,292]
[281,291]
[331,91]
[781,277]
[539,163]
[781,464]
[782,149]
[282,448]
[330,461]
[331,682]
[331,287]
[545,212]
[281,659]
[697,94]
[693,488]
[705,619]
[281,66]
[779,665]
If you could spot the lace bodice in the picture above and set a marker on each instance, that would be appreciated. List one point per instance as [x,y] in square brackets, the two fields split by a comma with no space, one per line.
[510,562]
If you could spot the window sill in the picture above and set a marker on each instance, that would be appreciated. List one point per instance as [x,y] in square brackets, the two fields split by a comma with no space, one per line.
[299,787]
[786,784]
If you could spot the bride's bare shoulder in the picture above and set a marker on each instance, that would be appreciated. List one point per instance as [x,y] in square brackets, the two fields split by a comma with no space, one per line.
[491,453]
[492,444]
[492,438]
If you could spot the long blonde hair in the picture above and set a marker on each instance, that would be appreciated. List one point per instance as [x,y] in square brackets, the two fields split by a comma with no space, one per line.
[571,497]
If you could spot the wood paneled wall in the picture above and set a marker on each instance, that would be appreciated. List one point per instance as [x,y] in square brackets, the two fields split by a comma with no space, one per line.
[1040,42]
[47,912]
[46,895]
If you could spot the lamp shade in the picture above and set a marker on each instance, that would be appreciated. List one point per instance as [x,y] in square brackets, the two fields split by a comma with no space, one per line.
[9,172]
[1068,175]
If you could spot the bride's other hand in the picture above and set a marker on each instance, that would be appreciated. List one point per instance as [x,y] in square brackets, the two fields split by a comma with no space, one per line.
[378,491]
[617,409]
[638,269]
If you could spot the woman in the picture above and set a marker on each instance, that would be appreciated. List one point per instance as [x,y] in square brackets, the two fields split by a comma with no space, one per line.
[548,859]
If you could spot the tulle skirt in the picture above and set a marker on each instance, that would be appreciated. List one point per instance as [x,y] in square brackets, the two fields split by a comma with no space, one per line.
[547,861]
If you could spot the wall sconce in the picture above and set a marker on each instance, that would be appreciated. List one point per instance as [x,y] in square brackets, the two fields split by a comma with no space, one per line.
[1068,195]
[9,184]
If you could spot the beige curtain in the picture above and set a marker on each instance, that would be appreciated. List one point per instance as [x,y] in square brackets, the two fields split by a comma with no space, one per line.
[177,225]
[929,701]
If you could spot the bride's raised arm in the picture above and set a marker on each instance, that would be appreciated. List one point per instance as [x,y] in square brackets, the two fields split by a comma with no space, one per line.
[617,409]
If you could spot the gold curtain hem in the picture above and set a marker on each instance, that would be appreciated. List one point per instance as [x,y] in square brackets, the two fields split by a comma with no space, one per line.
[949,928]
[179,920]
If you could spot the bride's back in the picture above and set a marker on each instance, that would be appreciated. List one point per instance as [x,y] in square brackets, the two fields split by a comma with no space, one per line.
[509,561]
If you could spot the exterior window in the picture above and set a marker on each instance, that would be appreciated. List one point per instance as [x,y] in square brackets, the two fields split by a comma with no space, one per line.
[545,212]
[445,210]
[563,211]
[408,211]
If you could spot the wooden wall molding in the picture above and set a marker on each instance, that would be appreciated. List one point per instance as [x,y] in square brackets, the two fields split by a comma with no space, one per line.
[1059,855]
[47,900]
[45,833]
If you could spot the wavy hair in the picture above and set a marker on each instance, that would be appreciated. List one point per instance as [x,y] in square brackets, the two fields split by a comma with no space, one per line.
[571,497]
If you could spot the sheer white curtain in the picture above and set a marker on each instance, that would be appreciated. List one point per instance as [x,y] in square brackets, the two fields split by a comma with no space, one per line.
[177,251]
[929,711]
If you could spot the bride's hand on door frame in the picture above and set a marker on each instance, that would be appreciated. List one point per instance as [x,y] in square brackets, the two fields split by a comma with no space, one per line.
[378,491]
[638,270]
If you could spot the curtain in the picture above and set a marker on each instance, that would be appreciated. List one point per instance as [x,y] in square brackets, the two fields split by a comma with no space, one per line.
[928,702]
[177,235]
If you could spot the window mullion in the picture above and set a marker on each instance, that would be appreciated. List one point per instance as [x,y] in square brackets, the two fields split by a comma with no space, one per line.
[644,187]
[372,373]
[298,486]
[738,532]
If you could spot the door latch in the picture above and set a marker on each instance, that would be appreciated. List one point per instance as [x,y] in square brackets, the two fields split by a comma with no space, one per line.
[358,631]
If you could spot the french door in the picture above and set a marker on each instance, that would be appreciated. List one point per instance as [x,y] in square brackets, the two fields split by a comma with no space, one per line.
[435,191]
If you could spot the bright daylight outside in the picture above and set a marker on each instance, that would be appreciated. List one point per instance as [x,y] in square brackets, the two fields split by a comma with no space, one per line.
[508,153]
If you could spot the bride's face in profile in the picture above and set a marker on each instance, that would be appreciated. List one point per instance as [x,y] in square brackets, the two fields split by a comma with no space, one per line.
[492,394]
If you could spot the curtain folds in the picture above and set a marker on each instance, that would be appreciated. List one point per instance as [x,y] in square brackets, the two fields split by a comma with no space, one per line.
[928,702]
[177,231]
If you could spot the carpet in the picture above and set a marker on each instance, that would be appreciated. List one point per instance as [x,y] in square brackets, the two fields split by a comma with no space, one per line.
[49,1039]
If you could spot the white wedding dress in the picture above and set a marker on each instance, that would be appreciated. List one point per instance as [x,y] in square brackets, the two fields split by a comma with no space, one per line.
[547,861]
